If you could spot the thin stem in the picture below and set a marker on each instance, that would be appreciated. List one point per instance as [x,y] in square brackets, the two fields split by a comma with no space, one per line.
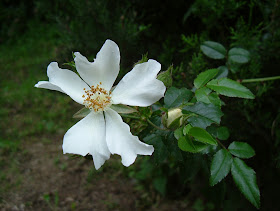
[129,116]
[252,80]
[155,126]
[149,121]
[221,144]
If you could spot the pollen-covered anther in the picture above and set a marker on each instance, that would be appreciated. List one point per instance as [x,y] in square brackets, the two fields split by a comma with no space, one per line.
[97,98]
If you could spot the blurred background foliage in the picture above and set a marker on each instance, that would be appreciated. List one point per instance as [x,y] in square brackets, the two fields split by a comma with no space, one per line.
[34,33]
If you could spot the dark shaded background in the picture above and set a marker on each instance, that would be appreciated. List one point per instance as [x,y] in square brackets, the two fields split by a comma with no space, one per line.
[34,33]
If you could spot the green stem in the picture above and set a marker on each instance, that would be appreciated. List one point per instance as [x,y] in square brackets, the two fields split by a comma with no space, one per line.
[155,126]
[221,144]
[149,121]
[252,80]
[129,116]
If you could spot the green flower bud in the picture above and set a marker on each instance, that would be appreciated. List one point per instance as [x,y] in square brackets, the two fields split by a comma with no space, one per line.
[173,119]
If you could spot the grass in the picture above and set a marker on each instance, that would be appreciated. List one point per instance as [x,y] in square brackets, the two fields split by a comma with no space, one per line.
[23,64]
[27,112]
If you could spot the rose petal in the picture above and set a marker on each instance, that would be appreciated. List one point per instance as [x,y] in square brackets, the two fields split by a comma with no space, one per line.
[88,137]
[48,85]
[64,80]
[140,87]
[120,140]
[105,67]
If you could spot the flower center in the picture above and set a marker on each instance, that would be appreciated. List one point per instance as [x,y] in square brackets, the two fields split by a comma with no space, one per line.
[97,98]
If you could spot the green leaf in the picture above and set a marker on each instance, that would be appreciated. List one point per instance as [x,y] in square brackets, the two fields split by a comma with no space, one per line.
[166,76]
[205,114]
[172,147]
[221,133]
[178,133]
[213,50]
[215,99]
[223,72]
[161,151]
[245,179]
[202,135]
[204,77]
[230,88]
[239,55]
[202,95]
[187,129]
[186,144]
[81,113]
[220,166]
[175,97]
[211,149]
[241,149]
[123,109]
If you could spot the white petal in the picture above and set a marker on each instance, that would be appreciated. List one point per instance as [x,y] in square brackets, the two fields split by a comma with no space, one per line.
[105,67]
[65,81]
[88,137]
[140,87]
[48,85]
[120,140]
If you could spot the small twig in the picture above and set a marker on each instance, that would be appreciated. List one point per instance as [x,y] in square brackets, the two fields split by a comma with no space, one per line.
[155,126]
[221,144]
[149,121]
[252,80]
[129,116]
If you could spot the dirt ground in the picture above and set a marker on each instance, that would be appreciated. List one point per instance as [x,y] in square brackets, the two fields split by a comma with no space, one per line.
[50,180]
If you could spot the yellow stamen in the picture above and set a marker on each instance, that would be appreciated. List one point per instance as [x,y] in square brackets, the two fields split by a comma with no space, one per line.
[97,98]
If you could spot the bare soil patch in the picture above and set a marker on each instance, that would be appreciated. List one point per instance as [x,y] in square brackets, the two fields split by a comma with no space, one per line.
[49,180]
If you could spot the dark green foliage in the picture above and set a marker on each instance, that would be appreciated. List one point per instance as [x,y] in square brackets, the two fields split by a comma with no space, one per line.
[204,77]
[242,150]
[166,76]
[14,16]
[221,133]
[175,97]
[213,50]
[173,33]
[202,135]
[220,166]
[245,179]
[205,114]
[188,145]
[230,88]
[239,55]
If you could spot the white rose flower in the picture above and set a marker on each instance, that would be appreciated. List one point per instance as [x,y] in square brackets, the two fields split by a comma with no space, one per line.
[102,132]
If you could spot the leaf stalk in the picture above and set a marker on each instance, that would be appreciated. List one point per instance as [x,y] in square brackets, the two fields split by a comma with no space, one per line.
[253,80]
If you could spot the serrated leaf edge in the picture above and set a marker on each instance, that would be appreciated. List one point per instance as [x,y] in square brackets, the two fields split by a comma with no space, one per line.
[256,202]
[211,180]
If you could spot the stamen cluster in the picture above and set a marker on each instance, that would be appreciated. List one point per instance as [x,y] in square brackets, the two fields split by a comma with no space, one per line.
[97,98]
